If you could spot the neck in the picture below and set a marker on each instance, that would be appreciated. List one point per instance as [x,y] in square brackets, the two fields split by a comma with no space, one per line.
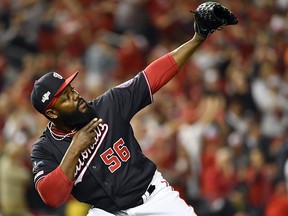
[61,128]
[58,134]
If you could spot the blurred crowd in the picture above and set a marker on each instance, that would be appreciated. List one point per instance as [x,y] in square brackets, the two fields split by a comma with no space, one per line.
[217,131]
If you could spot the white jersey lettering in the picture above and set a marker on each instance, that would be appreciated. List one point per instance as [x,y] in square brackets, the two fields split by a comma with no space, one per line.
[87,155]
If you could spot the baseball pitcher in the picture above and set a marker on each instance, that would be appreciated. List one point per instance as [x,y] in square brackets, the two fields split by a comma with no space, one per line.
[88,149]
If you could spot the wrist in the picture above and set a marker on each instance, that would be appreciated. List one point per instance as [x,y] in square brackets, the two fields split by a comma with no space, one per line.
[198,38]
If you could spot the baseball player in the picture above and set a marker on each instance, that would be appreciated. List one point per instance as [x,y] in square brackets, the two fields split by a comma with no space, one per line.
[88,148]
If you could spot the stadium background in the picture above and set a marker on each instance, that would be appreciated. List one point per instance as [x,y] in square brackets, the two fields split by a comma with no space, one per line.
[218,131]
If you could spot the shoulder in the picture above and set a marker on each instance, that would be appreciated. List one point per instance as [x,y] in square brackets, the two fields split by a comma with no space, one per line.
[42,145]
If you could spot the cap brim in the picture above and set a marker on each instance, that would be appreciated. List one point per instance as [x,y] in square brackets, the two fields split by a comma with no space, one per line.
[66,83]
[62,87]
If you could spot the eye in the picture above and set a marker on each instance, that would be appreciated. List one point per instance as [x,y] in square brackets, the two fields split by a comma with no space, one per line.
[68,93]
[65,96]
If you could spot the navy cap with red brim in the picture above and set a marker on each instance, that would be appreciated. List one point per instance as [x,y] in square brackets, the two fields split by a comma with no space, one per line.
[47,89]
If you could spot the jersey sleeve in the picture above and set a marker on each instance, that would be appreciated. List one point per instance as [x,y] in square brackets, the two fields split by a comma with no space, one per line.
[161,71]
[55,188]
[43,161]
[131,96]
[52,184]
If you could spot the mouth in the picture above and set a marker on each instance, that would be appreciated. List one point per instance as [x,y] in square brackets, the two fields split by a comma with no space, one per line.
[82,105]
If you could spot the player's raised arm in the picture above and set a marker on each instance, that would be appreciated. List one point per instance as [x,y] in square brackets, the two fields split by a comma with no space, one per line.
[185,51]
[209,17]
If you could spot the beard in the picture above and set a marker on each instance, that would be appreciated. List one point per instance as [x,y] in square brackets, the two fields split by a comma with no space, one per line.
[77,119]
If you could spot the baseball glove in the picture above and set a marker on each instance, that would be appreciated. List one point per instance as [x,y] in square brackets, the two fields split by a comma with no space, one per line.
[212,16]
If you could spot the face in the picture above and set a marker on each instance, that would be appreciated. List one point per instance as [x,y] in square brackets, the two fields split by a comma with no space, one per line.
[72,109]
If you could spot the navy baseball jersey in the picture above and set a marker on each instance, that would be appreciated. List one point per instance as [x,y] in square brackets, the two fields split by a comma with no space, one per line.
[114,167]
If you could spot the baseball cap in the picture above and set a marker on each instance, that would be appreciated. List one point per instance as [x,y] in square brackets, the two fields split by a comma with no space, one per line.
[47,90]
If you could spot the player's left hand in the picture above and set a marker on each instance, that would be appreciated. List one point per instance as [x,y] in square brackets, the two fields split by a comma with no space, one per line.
[212,16]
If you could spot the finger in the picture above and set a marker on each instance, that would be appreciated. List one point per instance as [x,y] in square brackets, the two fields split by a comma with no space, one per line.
[94,124]
[90,124]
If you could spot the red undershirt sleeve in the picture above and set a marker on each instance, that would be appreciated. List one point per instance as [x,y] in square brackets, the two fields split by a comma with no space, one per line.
[55,188]
[161,71]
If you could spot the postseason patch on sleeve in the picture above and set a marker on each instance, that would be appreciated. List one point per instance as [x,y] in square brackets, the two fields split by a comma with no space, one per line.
[38,170]
[37,166]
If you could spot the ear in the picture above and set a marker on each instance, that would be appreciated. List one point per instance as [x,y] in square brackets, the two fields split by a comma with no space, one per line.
[51,113]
